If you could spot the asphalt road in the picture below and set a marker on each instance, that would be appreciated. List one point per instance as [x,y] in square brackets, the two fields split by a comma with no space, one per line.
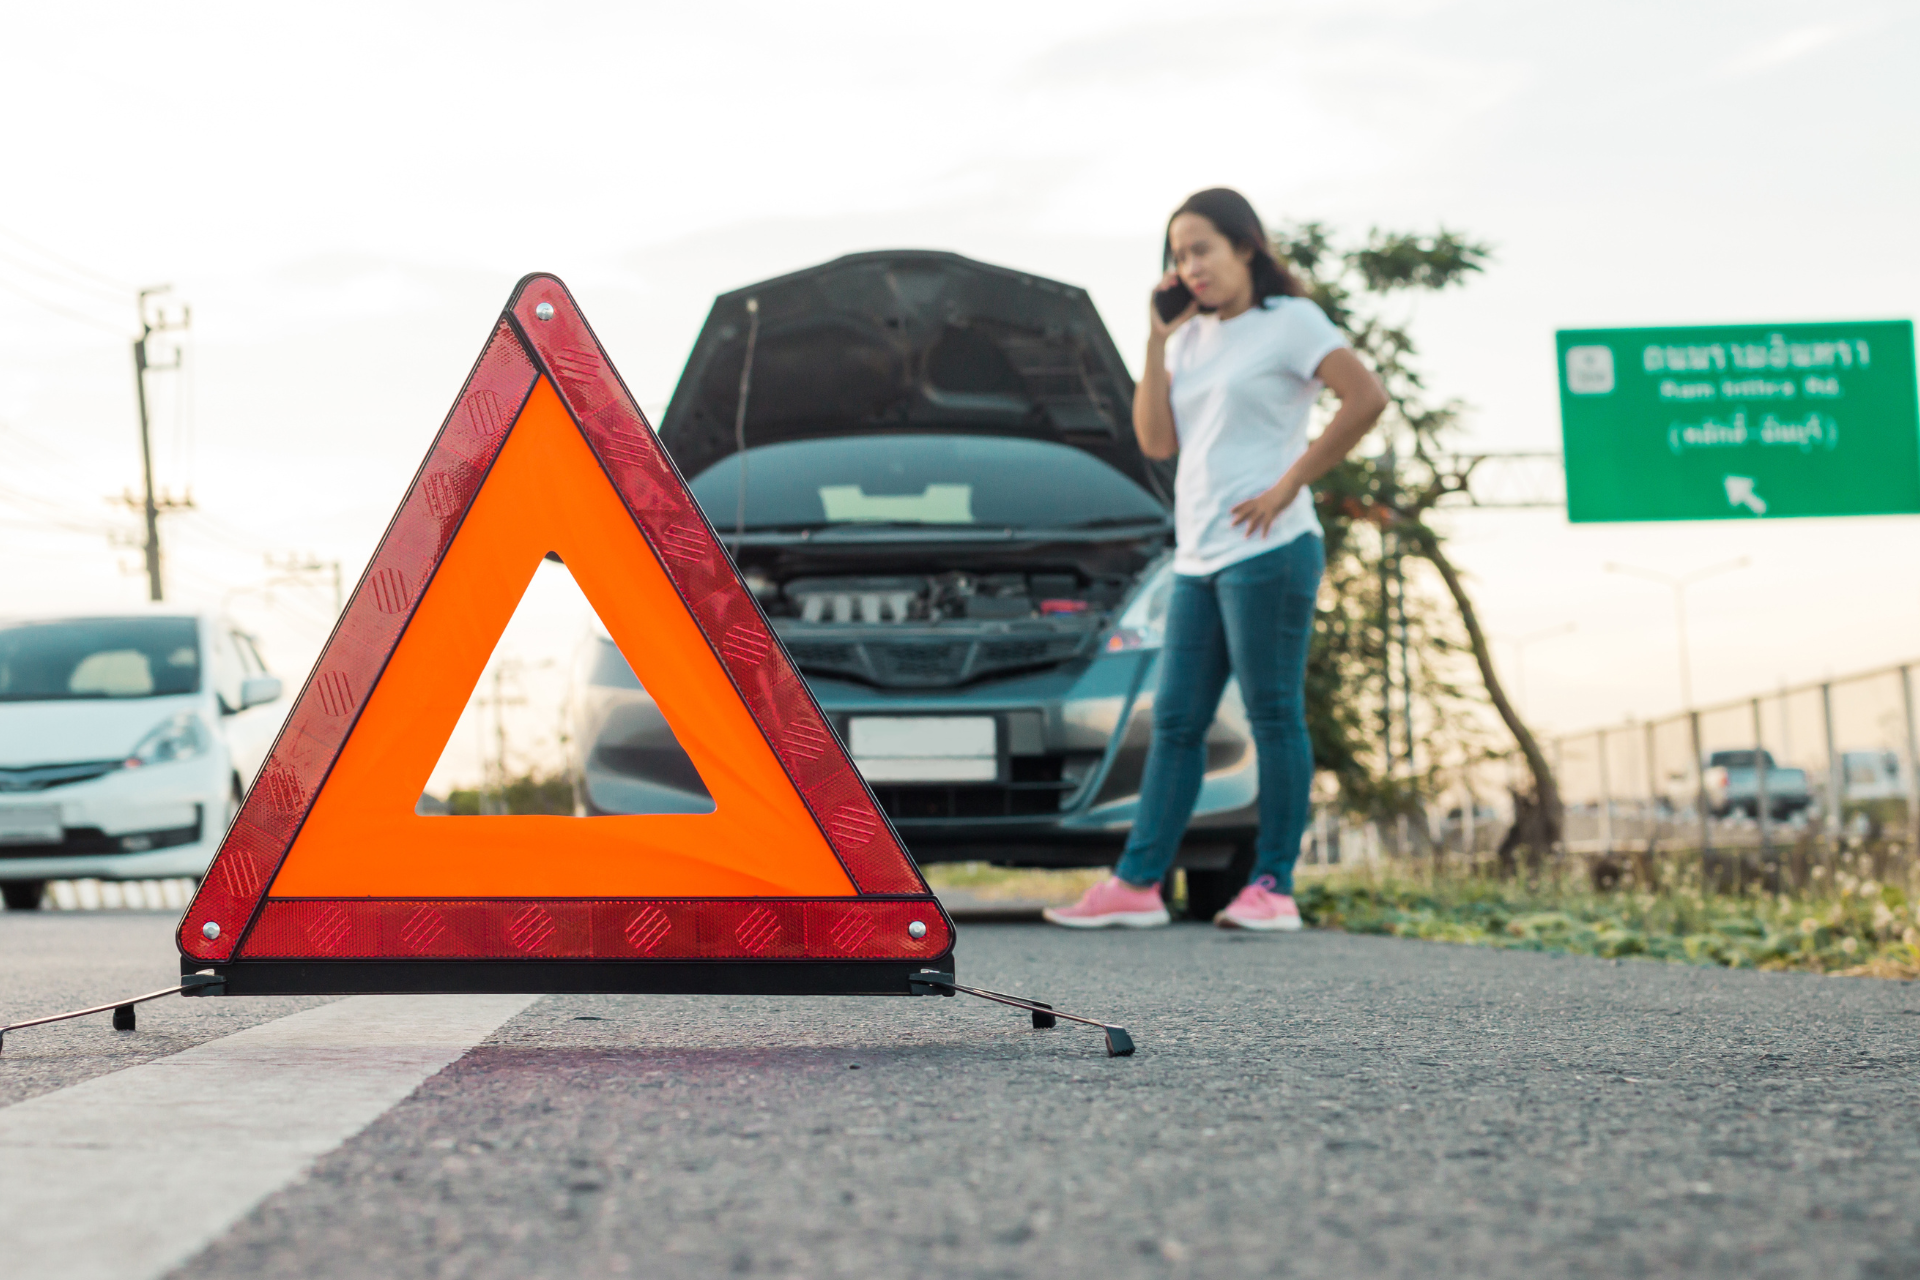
[55,960]
[1300,1106]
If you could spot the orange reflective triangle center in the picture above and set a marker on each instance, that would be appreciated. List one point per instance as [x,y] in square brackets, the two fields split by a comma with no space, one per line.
[546,452]
[546,493]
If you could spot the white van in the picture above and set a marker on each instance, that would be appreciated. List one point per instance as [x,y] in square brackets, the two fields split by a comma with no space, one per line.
[126,742]
[1873,775]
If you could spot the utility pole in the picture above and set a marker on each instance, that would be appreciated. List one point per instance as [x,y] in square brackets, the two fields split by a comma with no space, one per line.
[496,768]
[1406,661]
[1388,559]
[500,732]
[156,321]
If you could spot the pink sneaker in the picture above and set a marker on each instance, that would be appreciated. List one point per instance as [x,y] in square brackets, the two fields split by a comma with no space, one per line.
[1113,902]
[1259,907]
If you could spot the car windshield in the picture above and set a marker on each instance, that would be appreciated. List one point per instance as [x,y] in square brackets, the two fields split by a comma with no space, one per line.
[98,658]
[922,480]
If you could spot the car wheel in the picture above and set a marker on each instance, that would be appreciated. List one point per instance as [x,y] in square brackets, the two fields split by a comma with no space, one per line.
[23,895]
[1209,892]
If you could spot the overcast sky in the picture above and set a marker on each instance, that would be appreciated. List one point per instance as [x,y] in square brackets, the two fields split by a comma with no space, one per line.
[346,193]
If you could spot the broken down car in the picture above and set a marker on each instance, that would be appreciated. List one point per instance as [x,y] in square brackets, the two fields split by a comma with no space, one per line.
[925,469]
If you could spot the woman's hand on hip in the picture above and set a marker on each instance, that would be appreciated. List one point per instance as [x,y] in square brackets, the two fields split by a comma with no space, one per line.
[1259,513]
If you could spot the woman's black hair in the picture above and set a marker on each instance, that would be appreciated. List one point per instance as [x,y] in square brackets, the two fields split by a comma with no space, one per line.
[1233,217]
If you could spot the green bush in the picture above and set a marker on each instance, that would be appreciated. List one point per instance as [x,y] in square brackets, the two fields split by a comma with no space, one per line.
[528,793]
[1860,927]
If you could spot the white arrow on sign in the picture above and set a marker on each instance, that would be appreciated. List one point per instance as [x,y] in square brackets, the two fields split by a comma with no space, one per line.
[1740,494]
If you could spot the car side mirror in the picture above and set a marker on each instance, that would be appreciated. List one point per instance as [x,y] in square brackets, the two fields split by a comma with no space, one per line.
[255,690]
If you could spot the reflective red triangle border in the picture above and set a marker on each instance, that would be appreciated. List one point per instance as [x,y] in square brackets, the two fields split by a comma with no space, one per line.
[522,348]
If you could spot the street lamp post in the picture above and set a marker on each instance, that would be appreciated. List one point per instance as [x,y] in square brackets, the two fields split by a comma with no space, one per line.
[1520,644]
[1680,586]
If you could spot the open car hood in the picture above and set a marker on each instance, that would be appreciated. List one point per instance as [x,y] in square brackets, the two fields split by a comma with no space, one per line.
[909,340]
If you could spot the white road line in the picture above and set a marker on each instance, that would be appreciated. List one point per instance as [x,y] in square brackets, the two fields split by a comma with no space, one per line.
[126,1176]
[120,895]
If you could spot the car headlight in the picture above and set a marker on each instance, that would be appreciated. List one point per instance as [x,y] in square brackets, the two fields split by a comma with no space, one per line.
[180,737]
[1143,624]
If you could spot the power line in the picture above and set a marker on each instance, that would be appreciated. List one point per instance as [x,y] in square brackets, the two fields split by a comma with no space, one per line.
[71,275]
[212,527]
[119,287]
[47,451]
[63,281]
[58,309]
[300,571]
[290,609]
[184,398]
[42,524]
[34,500]
[53,515]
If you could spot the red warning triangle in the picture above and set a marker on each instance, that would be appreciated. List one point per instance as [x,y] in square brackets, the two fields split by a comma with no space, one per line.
[329,881]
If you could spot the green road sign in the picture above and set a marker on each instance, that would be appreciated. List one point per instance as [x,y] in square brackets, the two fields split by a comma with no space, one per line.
[1740,421]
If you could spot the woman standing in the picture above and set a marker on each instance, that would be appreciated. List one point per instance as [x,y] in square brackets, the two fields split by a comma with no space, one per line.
[1229,383]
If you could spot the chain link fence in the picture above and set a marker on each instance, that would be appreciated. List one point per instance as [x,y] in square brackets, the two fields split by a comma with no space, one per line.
[1772,791]
[1778,792]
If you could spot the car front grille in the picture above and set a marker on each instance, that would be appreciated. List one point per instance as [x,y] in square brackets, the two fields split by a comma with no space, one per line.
[922,662]
[41,777]
[1015,653]
[1036,788]
[914,663]
[827,656]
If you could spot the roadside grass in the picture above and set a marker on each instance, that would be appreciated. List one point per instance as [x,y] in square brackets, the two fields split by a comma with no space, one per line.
[988,883]
[1861,928]
[1858,928]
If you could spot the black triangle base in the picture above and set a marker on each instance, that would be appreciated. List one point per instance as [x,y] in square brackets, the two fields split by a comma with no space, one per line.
[566,977]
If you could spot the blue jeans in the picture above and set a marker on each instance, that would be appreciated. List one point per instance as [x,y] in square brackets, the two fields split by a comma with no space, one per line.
[1252,620]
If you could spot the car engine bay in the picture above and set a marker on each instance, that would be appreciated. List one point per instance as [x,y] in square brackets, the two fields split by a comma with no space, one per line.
[939,598]
[938,630]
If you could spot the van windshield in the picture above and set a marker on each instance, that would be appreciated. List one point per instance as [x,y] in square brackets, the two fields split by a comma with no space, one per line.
[98,658]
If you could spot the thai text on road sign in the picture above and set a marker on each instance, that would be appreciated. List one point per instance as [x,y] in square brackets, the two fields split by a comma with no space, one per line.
[1740,421]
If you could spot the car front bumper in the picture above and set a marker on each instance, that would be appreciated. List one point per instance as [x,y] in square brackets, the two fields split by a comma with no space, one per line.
[1075,744]
[132,824]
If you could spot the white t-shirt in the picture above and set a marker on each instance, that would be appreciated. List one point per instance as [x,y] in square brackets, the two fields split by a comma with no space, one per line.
[1242,389]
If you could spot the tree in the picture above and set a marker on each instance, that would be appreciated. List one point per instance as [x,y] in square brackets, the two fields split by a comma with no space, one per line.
[531,792]
[1370,611]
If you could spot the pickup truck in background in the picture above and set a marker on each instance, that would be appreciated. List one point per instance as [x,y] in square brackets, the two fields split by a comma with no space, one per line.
[1733,785]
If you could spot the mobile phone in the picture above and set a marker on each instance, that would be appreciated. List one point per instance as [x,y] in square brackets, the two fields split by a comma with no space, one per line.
[1170,302]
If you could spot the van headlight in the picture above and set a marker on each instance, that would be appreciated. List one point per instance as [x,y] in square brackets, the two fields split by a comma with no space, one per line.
[180,737]
[1143,624]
